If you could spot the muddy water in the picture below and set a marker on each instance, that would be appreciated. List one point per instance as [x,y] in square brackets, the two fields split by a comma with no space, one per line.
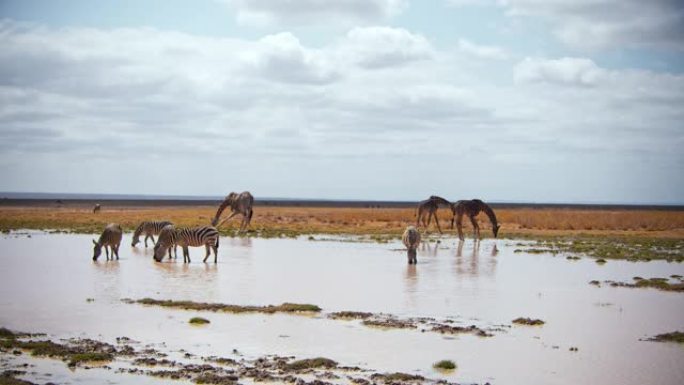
[45,281]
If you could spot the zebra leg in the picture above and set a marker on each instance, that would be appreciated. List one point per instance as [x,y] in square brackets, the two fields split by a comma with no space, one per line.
[116,250]
[215,247]
[459,226]
[206,246]
[146,236]
[186,254]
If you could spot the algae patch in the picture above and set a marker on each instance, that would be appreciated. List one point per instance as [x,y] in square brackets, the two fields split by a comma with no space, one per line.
[198,321]
[677,337]
[220,307]
[444,365]
[528,321]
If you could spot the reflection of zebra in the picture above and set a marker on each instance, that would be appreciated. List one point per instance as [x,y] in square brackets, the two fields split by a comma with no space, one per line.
[97,208]
[411,239]
[110,238]
[150,229]
[186,237]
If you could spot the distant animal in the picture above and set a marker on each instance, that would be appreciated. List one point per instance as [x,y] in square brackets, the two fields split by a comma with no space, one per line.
[97,208]
[239,204]
[428,209]
[186,237]
[411,239]
[150,228]
[110,239]
[472,208]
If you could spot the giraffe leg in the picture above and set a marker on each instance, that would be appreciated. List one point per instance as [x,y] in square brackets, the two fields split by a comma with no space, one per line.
[459,226]
[437,222]
[476,227]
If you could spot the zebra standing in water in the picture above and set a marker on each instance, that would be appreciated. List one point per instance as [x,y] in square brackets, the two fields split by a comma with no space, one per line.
[110,239]
[186,237]
[150,229]
[411,239]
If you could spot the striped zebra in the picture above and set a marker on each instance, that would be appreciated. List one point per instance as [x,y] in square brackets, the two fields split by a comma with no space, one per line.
[110,239]
[186,237]
[411,239]
[150,229]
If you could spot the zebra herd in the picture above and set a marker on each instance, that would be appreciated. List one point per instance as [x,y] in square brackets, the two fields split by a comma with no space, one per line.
[170,237]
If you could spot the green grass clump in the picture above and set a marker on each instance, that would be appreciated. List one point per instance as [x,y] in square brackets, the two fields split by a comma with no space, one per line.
[198,321]
[216,307]
[78,358]
[397,377]
[669,337]
[445,365]
[311,363]
[528,321]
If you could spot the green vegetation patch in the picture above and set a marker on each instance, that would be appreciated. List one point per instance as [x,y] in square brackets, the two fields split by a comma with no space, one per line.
[389,378]
[350,315]
[312,363]
[528,321]
[220,307]
[199,321]
[669,337]
[609,247]
[78,358]
[8,377]
[655,283]
[444,365]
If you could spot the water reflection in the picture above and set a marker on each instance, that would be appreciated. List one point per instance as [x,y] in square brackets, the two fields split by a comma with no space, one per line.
[472,266]
[429,249]
[108,279]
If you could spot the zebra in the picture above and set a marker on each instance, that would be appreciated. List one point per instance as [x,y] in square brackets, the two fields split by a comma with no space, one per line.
[150,229]
[411,239]
[186,237]
[239,204]
[168,233]
[110,239]
[97,208]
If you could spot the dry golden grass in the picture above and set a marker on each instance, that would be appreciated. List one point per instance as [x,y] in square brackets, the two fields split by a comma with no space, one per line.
[392,221]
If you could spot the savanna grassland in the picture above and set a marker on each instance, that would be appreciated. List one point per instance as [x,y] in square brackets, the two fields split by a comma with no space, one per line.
[292,221]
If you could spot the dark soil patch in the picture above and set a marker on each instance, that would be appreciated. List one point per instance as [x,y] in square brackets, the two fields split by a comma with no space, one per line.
[528,321]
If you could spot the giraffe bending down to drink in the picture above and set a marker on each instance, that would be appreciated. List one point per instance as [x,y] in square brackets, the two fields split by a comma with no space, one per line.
[472,208]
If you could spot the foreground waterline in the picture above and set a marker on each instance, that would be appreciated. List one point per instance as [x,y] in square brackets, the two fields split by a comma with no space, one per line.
[47,278]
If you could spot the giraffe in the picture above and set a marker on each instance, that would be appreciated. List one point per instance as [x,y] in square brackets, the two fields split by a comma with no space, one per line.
[472,208]
[239,204]
[429,207]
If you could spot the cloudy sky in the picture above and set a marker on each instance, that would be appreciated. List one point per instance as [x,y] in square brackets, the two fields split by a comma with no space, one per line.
[508,100]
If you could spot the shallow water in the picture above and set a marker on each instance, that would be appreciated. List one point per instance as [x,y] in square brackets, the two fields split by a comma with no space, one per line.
[46,279]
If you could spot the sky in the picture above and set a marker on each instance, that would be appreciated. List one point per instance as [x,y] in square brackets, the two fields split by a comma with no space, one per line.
[502,100]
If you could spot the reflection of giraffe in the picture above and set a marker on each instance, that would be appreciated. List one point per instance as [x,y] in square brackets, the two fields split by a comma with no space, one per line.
[429,208]
[472,208]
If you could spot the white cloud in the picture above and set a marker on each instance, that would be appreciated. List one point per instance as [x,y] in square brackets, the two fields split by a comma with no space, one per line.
[282,118]
[482,51]
[282,57]
[602,24]
[378,47]
[567,70]
[261,12]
